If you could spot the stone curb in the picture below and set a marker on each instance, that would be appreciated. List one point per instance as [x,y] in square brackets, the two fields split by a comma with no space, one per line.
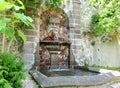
[76,81]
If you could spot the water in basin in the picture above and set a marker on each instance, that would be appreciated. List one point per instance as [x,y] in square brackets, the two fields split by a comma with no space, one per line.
[67,72]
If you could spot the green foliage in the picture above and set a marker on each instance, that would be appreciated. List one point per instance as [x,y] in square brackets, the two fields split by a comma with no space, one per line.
[95,18]
[37,86]
[53,3]
[93,43]
[12,20]
[11,70]
[108,17]
[32,5]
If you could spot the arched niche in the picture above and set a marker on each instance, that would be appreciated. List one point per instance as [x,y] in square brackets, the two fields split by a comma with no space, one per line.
[54,45]
[54,25]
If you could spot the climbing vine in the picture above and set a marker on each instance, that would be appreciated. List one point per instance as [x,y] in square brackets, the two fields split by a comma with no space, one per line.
[107,18]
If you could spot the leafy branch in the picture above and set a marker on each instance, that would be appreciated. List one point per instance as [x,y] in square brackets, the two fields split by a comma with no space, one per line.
[11,17]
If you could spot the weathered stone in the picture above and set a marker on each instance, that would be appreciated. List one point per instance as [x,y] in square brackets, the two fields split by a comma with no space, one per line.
[77,26]
[29,50]
[29,59]
[77,36]
[30,45]
[76,47]
[77,21]
[32,38]
[76,31]
[31,32]
[99,81]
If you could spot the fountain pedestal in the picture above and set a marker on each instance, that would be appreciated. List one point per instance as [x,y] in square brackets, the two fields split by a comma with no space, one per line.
[59,52]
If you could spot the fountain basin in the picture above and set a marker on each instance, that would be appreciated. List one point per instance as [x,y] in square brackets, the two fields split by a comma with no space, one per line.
[67,72]
[106,76]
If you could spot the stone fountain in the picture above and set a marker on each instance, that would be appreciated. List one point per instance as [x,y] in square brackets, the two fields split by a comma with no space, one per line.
[54,47]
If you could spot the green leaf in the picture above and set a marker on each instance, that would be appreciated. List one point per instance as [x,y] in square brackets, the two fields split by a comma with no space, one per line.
[7,20]
[2,81]
[2,26]
[25,19]
[7,85]
[21,3]
[2,0]
[17,7]
[10,33]
[5,5]
[21,34]
[29,19]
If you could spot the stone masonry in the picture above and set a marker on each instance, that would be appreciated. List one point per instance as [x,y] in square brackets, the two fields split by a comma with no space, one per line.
[31,46]
[76,11]
[79,14]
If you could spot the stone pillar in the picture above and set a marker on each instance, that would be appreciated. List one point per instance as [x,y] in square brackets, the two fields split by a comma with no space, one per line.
[31,47]
[79,14]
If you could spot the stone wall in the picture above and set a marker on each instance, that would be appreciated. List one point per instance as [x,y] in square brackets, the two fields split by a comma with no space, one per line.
[80,16]
[79,13]
[107,54]
[31,46]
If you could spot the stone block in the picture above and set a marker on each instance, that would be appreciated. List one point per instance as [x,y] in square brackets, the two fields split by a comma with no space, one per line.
[37,63]
[65,87]
[77,26]
[29,50]
[76,31]
[76,47]
[32,38]
[76,15]
[77,6]
[31,32]
[72,25]
[76,42]
[29,59]
[77,11]
[71,31]
[77,36]
[71,40]
[77,21]
[37,56]
[30,45]
[71,35]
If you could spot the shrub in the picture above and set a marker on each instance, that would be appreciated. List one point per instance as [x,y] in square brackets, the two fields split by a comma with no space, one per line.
[11,70]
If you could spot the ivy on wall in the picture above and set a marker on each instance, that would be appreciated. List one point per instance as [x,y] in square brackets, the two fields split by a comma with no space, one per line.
[107,18]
